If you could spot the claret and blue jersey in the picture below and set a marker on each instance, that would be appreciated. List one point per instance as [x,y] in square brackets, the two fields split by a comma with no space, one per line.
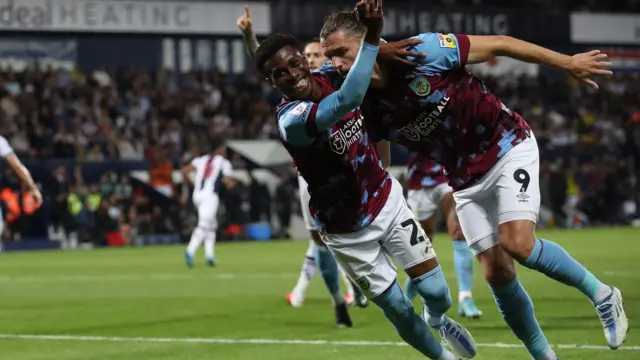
[442,111]
[424,173]
[347,183]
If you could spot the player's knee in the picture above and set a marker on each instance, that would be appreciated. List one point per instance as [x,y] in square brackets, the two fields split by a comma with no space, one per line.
[517,238]
[394,304]
[434,290]
[498,266]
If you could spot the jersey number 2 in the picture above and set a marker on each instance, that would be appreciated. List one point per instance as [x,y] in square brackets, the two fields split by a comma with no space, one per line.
[415,238]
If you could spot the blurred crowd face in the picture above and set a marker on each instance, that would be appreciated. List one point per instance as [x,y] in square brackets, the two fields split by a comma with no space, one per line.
[315,55]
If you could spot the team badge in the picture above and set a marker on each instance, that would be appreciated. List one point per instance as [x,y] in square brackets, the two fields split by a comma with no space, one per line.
[447,41]
[363,283]
[420,85]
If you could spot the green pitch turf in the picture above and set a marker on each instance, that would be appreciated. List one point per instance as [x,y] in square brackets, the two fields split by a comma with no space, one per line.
[143,303]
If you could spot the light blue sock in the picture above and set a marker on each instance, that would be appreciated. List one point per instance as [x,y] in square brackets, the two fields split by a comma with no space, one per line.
[410,290]
[328,268]
[552,260]
[517,311]
[463,263]
[434,291]
[411,328]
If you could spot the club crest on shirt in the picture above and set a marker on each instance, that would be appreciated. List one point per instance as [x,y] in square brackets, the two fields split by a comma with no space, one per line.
[420,85]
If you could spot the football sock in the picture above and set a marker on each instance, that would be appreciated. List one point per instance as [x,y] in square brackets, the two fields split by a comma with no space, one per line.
[308,271]
[411,328]
[209,243]
[552,260]
[410,289]
[328,268]
[434,291]
[463,264]
[197,237]
[517,311]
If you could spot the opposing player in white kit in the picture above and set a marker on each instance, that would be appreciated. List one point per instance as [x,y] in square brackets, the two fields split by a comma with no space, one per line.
[6,152]
[211,171]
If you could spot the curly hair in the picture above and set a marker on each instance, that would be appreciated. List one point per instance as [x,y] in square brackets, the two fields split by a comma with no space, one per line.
[271,45]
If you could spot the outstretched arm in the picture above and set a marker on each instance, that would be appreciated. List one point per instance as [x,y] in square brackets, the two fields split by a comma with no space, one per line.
[580,66]
[246,27]
[301,121]
[449,51]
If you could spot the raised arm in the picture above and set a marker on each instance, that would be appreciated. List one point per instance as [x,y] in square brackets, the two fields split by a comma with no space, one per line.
[301,121]
[450,51]
[246,27]
[351,94]
[580,66]
[332,108]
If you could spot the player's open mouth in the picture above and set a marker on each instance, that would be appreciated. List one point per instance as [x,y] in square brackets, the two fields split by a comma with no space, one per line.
[300,85]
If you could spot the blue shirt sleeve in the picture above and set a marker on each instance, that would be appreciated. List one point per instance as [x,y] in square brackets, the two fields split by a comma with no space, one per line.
[443,52]
[351,94]
[300,121]
[292,122]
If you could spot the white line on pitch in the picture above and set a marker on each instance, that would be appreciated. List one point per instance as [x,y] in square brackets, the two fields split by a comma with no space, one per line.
[135,277]
[275,341]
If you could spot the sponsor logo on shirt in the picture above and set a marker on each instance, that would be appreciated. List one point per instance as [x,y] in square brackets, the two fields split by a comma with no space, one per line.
[425,123]
[299,109]
[346,134]
[447,41]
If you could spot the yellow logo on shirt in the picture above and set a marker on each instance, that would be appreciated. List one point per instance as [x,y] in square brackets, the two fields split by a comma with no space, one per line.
[447,41]
[420,85]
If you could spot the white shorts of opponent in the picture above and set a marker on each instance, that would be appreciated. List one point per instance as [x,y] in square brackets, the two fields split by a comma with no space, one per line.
[207,206]
[509,191]
[395,233]
[426,202]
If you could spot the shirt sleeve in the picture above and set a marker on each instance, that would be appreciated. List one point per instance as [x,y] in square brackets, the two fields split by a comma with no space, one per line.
[301,121]
[444,51]
[296,122]
[5,148]
[226,168]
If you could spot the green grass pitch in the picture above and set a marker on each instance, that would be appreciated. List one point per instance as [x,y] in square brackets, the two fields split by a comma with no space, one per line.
[143,303]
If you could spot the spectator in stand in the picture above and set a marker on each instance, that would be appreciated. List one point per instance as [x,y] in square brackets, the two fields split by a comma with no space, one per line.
[161,170]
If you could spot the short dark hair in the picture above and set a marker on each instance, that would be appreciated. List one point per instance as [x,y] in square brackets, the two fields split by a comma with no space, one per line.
[271,45]
[314,39]
[345,21]
[216,142]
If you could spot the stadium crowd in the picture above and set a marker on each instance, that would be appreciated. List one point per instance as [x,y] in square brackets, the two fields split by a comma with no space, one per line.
[590,141]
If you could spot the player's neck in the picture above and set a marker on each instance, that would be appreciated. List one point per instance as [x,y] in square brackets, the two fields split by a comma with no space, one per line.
[316,93]
[379,77]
